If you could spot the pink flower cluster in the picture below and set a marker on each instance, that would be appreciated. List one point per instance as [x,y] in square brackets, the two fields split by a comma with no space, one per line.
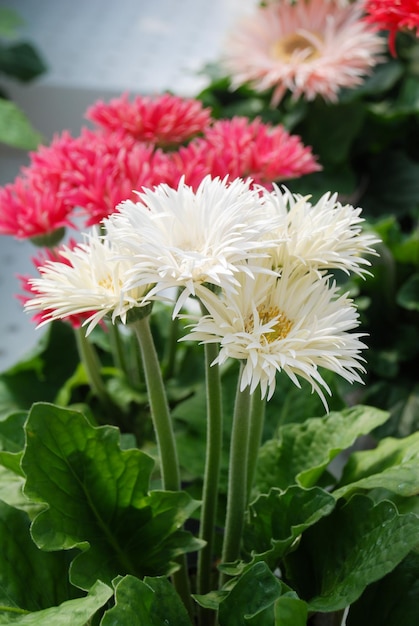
[136,144]
[393,15]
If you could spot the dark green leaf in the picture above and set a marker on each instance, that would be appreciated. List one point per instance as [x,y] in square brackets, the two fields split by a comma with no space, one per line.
[21,61]
[408,295]
[393,600]
[303,451]
[30,579]
[152,602]
[357,544]
[99,501]
[275,520]
[77,612]
[252,599]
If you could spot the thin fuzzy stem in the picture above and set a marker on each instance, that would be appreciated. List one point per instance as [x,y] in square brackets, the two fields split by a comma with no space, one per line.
[159,407]
[211,475]
[90,360]
[257,418]
[117,347]
[237,480]
[163,428]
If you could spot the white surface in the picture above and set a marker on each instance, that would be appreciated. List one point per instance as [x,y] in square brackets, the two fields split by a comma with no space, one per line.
[99,49]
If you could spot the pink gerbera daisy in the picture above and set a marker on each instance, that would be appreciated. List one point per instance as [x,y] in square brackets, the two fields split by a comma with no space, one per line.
[240,148]
[163,120]
[32,208]
[393,15]
[308,47]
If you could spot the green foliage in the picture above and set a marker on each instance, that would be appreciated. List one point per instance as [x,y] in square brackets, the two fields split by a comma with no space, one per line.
[21,61]
[98,500]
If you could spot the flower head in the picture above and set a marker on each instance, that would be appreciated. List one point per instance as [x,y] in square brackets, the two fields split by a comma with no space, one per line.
[393,15]
[326,235]
[48,255]
[163,120]
[88,280]
[308,47]
[182,238]
[295,323]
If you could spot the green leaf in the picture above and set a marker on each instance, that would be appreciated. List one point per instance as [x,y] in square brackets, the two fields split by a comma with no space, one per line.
[43,371]
[408,295]
[393,600]
[29,578]
[390,453]
[290,611]
[274,521]
[357,544]
[98,500]
[302,452]
[153,602]
[75,612]
[21,61]
[252,599]
[9,22]
[15,128]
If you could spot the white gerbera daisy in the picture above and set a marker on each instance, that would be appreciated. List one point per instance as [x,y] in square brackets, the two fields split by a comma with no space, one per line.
[88,281]
[322,236]
[295,323]
[183,238]
[309,47]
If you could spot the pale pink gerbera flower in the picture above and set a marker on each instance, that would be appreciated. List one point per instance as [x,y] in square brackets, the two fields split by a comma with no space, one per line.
[310,47]
[241,148]
[162,120]
[393,15]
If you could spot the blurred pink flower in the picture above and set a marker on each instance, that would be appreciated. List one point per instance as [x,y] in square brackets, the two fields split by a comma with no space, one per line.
[310,47]
[109,167]
[165,120]
[241,148]
[31,207]
[393,15]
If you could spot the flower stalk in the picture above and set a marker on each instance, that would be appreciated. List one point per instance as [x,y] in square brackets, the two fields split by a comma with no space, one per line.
[237,479]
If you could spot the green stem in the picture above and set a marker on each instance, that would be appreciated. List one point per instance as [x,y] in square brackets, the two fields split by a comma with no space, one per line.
[211,474]
[90,360]
[237,480]
[171,349]
[257,418]
[117,347]
[163,428]
[159,407]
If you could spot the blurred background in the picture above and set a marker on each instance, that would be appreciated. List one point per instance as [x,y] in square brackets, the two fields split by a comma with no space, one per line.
[98,49]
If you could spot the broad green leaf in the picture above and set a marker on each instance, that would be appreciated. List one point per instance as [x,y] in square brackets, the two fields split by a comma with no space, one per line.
[252,599]
[393,600]
[389,453]
[30,579]
[21,60]
[98,500]
[357,544]
[290,611]
[275,520]
[75,612]
[15,128]
[400,479]
[11,491]
[152,602]
[302,452]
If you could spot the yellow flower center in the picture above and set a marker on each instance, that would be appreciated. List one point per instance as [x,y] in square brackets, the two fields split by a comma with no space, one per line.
[278,331]
[285,48]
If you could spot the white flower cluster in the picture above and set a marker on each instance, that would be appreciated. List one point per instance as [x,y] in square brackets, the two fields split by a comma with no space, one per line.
[259,261]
